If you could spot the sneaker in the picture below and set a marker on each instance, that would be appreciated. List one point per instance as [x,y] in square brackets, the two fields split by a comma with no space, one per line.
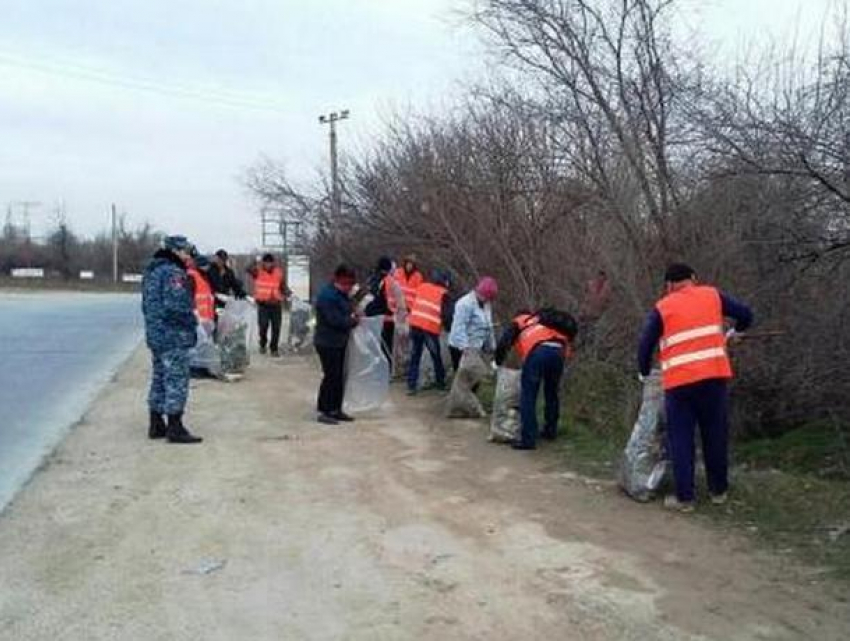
[519,445]
[262,349]
[719,499]
[342,416]
[275,353]
[327,419]
[412,392]
[549,436]
[671,502]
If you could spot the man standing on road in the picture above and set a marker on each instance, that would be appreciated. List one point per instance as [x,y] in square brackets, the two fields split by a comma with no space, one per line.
[170,332]
[687,325]
[335,318]
[432,311]
[543,341]
[223,279]
[270,291]
[409,278]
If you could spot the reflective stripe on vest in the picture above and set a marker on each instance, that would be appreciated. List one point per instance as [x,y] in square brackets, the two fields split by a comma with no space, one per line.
[427,308]
[409,285]
[204,298]
[532,334]
[693,346]
[267,285]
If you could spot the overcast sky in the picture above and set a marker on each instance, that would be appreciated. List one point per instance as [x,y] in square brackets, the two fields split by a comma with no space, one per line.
[160,105]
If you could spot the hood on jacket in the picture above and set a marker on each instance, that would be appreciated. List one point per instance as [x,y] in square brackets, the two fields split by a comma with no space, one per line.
[163,256]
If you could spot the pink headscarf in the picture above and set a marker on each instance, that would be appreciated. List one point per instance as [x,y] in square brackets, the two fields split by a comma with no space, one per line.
[487,288]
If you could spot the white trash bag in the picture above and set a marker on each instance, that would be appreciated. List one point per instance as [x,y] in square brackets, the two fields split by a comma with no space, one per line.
[644,465]
[367,380]
[505,423]
[462,401]
[206,355]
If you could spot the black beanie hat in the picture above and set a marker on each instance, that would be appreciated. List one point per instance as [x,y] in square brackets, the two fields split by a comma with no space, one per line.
[677,272]
[385,264]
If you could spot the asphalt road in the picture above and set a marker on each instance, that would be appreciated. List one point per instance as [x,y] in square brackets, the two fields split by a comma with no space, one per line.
[57,350]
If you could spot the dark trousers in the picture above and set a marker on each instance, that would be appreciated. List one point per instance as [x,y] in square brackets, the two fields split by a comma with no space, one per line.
[332,389]
[705,404]
[456,355]
[387,338]
[418,341]
[545,364]
[269,314]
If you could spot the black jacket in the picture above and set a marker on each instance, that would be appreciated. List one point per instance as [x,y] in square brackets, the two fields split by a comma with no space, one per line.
[334,318]
[225,282]
[379,305]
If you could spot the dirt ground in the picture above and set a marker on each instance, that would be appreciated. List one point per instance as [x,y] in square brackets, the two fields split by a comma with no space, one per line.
[402,526]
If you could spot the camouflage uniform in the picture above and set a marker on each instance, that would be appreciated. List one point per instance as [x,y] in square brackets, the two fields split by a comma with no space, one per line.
[170,331]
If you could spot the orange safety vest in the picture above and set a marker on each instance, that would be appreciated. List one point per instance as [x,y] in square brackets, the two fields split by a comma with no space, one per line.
[267,285]
[427,307]
[693,344]
[532,334]
[204,298]
[409,286]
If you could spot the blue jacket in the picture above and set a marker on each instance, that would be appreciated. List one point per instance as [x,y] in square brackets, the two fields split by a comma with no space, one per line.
[168,304]
[653,329]
[334,317]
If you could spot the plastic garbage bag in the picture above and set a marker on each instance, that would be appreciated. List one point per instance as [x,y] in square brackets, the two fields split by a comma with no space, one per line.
[644,465]
[401,352]
[505,423]
[367,381]
[206,355]
[234,335]
[462,401]
[299,323]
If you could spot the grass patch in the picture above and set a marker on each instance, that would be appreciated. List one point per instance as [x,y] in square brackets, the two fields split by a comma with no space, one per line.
[792,492]
[819,449]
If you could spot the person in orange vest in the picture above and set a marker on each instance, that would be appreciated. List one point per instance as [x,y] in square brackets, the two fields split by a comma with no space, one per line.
[270,291]
[387,301]
[409,278]
[202,290]
[431,312]
[543,340]
[687,325]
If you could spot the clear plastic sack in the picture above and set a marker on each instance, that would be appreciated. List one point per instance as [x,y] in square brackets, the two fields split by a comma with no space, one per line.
[367,381]
[401,352]
[234,336]
[462,401]
[644,466]
[206,354]
[505,423]
[299,323]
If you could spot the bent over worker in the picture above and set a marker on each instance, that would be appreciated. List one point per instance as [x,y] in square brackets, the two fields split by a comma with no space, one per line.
[431,312]
[543,341]
[170,332]
[270,292]
[687,325]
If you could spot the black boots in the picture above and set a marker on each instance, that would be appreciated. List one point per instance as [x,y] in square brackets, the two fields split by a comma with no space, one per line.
[157,427]
[177,432]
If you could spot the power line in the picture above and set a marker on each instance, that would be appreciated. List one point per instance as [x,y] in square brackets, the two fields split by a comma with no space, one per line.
[88,74]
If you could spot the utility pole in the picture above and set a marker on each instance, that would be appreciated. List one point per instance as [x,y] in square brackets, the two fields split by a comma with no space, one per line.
[114,244]
[336,200]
